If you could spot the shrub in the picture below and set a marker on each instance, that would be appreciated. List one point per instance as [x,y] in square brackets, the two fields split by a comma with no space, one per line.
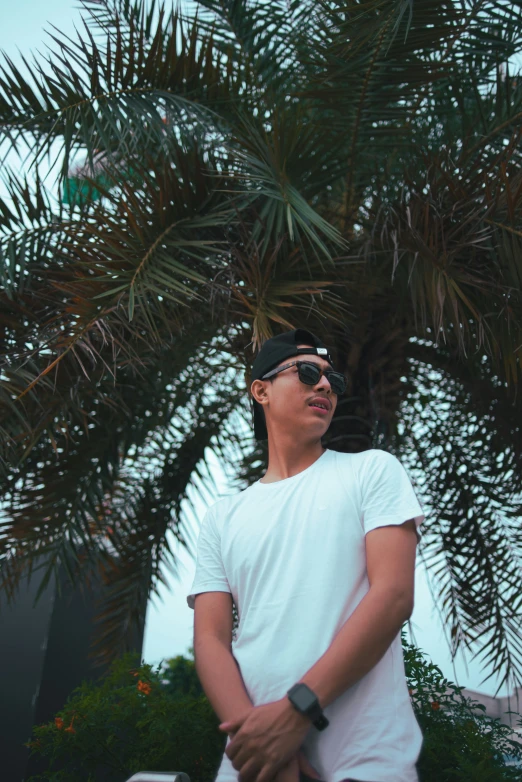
[180,679]
[460,745]
[129,722]
[139,718]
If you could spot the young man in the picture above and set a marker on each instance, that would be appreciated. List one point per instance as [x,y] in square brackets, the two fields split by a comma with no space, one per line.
[319,558]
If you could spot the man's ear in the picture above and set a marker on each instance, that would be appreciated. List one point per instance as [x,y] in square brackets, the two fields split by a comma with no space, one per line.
[258,392]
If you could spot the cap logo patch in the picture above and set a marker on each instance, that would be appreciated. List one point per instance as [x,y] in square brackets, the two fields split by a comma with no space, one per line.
[322,352]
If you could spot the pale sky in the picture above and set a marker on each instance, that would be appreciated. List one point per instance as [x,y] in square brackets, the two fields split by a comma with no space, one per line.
[169,624]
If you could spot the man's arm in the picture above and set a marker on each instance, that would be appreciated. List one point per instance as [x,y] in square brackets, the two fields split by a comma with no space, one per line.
[221,679]
[367,634]
[217,669]
[215,665]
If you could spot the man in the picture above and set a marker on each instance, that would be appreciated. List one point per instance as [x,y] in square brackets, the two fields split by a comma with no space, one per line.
[319,558]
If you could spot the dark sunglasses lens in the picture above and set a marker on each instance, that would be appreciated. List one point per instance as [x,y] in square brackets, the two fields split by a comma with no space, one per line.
[337,382]
[309,373]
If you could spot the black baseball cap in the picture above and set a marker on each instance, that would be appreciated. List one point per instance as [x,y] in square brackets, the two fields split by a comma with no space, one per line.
[274,351]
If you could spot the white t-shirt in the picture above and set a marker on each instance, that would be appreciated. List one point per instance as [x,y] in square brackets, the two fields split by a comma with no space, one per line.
[292,553]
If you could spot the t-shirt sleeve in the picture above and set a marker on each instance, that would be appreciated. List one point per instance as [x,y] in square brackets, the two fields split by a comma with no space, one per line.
[387,494]
[210,573]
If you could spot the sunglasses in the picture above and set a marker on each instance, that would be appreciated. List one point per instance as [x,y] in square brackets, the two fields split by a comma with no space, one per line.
[311,373]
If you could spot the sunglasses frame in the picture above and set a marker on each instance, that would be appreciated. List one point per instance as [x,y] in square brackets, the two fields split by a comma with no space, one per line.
[321,371]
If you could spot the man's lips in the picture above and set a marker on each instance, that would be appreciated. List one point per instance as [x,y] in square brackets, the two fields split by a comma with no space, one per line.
[321,403]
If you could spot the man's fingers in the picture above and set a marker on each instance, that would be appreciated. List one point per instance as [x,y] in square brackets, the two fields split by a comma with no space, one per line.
[306,766]
[254,771]
[249,772]
[266,775]
[289,772]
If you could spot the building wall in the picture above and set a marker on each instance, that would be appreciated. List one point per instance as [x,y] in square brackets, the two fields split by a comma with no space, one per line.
[44,656]
[24,634]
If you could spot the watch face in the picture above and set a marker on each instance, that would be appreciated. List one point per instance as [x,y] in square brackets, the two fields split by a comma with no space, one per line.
[304,699]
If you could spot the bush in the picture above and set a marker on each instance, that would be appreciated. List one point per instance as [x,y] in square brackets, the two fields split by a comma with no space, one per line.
[180,679]
[129,722]
[138,718]
[460,745]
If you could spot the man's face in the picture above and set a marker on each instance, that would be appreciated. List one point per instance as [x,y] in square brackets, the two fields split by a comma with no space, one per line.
[293,406]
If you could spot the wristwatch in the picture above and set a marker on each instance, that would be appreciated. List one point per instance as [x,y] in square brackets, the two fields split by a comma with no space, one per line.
[305,701]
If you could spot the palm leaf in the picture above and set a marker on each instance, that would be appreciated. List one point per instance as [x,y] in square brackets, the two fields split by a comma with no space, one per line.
[113,97]
[472,548]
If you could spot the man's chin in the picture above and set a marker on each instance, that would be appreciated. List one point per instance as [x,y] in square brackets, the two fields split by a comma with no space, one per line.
[315,429]
[308,428]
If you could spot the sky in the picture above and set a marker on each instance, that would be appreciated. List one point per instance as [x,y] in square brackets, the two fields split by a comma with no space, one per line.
[169,622]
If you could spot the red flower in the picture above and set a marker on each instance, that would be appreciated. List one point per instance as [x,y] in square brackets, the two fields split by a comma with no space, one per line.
[58,722]
[435,705]
[144,687]
[70,729]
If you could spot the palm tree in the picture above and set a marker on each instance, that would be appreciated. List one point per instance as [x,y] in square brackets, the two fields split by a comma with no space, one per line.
[199,179]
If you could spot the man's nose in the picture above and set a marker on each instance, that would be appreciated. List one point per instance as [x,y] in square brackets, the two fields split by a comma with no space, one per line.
[324,385]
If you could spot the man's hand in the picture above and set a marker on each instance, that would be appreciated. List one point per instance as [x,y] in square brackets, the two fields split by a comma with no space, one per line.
[288,773]
[306,767]
[291,772]
[264,739]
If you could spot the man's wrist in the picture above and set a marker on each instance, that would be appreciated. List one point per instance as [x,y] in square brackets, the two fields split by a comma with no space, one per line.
[300,719]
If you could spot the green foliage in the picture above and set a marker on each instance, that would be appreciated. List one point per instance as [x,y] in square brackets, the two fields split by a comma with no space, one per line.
[129,722]
[461,743]
[139,718]
[180,679]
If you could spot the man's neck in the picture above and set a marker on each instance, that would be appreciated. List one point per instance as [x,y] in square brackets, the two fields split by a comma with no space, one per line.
[288,457]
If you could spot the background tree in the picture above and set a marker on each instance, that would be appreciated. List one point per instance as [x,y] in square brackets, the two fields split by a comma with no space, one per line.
[179,677]
[247,167]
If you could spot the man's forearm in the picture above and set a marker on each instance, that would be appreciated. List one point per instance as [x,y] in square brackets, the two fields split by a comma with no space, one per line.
[358,646]
[221,678]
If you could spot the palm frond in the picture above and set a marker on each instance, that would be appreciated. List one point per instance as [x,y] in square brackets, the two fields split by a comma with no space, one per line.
[93,432]
[117,96]
[260,40]
[278,168]
[110,15]
[117,517]
[472,546]
[444,241]
[379,71]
